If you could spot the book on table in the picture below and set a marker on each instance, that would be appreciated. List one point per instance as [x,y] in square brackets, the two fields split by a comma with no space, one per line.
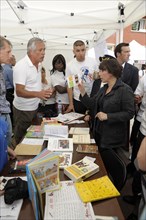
[43,175]
[97,189]
[60,144]
[29,146]
[81,170]
[65,204]
[18,166]
[81,139]
[87,148]
[35,131]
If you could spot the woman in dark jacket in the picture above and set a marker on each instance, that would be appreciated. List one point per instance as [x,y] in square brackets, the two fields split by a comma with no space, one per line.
[113,106]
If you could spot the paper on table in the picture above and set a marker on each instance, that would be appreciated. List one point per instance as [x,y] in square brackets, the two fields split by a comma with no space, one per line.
[65,204]
[33,141]
[10,211]
[55,130]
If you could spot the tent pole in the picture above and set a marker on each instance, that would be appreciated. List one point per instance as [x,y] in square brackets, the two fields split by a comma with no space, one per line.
[117,37]
[121,31]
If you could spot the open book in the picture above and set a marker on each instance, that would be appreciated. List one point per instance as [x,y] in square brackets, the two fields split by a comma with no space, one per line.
[65,204]
[43,175]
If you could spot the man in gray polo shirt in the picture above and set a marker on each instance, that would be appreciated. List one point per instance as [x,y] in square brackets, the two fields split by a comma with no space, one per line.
[5,55]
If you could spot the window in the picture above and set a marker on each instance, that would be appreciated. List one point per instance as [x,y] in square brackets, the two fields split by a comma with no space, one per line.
[139,26]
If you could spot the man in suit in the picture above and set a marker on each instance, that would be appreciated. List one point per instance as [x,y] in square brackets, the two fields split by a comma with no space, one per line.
[130,74]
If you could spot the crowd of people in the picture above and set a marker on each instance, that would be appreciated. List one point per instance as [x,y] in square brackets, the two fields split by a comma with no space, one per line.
[110,95]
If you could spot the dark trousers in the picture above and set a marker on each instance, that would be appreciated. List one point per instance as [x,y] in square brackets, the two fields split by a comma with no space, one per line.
[134,132]
[22,120]
[10,98]
[79,107]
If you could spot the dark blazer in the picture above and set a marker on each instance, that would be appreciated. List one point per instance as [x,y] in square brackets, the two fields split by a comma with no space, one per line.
[119,106]
[130,76]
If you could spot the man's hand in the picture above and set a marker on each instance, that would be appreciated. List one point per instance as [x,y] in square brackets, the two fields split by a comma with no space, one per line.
[45,94]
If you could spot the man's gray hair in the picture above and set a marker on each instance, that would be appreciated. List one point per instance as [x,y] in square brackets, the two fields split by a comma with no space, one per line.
[32,43]
[3,40]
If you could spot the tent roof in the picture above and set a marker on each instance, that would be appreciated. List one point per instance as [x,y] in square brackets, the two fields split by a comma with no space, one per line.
[60,23]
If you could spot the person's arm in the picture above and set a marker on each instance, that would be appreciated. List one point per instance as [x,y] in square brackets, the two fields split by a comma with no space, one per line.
[141,156]
[22,92]
[70,97]
[61,89]
[11,153]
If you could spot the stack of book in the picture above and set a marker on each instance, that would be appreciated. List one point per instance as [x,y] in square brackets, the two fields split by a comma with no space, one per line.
[81,170]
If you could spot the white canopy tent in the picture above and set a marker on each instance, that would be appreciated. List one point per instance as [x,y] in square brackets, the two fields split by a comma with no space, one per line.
[60,23]
[138,52]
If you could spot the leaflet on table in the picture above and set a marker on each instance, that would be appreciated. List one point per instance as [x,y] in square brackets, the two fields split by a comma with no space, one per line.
[56,131]
[10,211]
[79,130]
[68,117]
[65,204]
[60,144]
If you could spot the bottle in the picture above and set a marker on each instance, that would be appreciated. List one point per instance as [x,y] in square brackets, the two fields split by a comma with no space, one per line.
[59,107]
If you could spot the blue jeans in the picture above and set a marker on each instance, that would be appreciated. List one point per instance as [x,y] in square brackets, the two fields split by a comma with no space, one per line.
[6,117]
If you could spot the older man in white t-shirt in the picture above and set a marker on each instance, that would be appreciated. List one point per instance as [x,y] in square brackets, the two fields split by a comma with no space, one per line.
[27,84]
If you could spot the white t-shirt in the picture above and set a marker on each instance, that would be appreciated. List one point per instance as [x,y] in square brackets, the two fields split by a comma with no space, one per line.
[25,73]
[84,70]
[58,78]
[51,100]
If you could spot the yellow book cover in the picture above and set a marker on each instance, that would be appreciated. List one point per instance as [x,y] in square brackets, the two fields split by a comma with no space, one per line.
[97,189]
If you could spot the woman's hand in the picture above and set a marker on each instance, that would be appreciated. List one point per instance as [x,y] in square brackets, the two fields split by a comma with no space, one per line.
[81,88]
[102,116]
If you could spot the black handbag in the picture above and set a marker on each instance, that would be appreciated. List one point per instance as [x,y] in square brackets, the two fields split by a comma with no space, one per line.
[15,189]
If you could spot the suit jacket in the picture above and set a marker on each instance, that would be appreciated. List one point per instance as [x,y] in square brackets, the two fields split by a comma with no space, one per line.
[130,76]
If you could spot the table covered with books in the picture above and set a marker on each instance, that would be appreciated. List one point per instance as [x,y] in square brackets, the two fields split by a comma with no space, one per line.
[106,207]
